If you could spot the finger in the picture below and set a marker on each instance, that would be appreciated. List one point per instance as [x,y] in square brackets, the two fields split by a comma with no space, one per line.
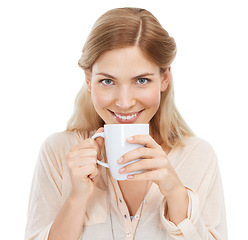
[82,153]
[94,174]
[145,140]
[141,152]
[81,163]
[154,175]
[87,170]
[144,164]
[87,143]
[83,172]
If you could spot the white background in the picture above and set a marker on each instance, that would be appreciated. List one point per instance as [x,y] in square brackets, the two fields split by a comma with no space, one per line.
[41,42]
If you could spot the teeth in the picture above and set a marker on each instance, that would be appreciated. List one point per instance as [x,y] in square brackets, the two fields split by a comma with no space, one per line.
[126,117]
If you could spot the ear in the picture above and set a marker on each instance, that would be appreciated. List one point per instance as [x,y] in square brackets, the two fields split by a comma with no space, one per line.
[165,77]
[88,79]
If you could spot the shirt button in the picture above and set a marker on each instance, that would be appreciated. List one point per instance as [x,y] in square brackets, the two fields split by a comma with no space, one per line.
[146,201]
[128,234]
[137,217]
[120,200]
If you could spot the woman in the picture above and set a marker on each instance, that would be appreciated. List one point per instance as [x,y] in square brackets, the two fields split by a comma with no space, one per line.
[127,60]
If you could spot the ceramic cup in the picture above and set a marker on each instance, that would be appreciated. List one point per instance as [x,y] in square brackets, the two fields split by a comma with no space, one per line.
[115,136]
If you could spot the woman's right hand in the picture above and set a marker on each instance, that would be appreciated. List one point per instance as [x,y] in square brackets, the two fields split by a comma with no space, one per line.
[82,165]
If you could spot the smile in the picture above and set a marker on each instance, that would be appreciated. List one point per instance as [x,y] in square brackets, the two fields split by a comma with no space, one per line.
[126,117]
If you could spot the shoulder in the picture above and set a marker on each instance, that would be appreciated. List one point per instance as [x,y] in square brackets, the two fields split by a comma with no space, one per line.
[196,145]
[63,137]
[61,141]
[192,146]
[198,151]
[55,148]
[195,160]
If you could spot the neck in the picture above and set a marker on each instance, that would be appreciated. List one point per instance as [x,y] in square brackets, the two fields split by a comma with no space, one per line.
[157,137]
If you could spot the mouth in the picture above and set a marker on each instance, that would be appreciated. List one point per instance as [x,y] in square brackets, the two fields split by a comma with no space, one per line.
[126,117]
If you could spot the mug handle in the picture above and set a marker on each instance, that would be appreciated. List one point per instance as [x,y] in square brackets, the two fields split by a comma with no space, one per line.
[94,137]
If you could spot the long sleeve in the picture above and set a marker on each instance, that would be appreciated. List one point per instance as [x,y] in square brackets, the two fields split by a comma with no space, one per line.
[199,172]
[45,196]
[196,165]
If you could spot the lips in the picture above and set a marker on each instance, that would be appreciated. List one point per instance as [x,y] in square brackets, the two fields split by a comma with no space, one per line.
[126,117]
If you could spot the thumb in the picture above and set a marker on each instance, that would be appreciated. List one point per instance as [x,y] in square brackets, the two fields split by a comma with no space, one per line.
[100,140]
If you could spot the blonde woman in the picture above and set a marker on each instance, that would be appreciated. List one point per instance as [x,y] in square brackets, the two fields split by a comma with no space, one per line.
[126,60]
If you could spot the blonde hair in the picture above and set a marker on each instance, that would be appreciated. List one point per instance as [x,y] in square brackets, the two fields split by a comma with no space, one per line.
[124,27]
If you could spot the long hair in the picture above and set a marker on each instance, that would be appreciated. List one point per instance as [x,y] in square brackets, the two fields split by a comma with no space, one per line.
[125,27]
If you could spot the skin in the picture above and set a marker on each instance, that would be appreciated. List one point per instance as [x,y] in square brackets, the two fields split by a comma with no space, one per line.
[114,89]
[124,82]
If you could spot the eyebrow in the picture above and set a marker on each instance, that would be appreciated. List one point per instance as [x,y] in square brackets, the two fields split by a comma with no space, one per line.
[136,77]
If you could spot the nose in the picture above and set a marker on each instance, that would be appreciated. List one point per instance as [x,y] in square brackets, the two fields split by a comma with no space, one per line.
[125,98]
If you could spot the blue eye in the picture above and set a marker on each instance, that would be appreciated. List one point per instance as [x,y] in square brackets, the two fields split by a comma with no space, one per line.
[107,82]
[142,81]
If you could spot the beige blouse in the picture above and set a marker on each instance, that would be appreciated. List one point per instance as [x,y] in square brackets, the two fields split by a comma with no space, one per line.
[107,215]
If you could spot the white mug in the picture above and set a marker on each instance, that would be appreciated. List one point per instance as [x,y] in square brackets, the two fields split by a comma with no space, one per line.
[115,136]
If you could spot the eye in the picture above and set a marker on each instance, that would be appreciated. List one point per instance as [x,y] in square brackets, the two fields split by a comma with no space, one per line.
[143,81]
[106,82]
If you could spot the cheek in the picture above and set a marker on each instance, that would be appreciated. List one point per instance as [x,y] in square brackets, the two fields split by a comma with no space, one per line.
[151,99]
[100,99]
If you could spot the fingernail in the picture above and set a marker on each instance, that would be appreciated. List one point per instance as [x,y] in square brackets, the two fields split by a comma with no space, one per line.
[121,170]
[100,157]
[120,160]
[130,139]
[130,177]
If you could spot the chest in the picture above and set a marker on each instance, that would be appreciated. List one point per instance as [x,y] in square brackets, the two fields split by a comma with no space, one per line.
[134,194]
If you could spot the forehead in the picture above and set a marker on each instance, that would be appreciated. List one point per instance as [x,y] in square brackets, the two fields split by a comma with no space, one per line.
[126,61]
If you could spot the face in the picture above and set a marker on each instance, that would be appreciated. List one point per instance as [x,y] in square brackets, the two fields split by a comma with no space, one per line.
[125,86]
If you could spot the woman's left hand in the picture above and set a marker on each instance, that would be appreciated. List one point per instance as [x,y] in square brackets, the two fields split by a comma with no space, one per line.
[155,164]
[158,169]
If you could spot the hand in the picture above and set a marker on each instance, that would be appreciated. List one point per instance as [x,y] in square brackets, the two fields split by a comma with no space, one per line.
[157,168]
[155,164]
[82,165]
